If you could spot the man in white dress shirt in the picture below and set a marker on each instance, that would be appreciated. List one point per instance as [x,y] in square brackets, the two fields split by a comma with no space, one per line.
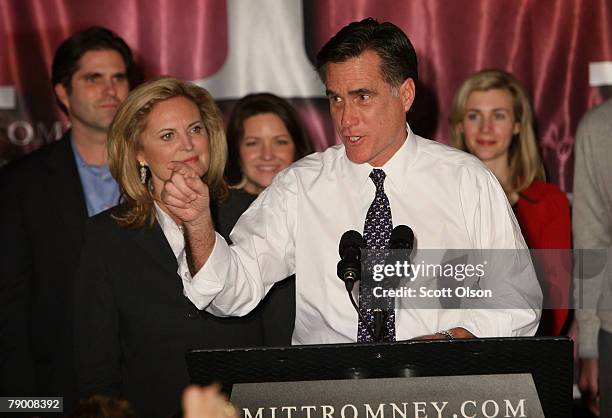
[447,197]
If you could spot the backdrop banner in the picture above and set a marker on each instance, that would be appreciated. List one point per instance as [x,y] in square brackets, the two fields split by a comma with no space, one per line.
[560,49]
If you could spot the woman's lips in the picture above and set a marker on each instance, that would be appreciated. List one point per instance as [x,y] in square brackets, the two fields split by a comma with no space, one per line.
[268,168]
[485,143]
[191,160]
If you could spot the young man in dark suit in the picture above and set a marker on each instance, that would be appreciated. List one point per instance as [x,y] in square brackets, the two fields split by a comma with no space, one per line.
[47,197]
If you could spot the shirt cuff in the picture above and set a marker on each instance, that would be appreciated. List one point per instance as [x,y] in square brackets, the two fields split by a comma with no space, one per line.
[204,286]
[486,323]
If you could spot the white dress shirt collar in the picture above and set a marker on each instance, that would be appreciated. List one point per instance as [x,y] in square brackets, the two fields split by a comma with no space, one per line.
[396,168]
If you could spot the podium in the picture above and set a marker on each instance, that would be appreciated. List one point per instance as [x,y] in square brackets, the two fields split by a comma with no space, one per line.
[547,360]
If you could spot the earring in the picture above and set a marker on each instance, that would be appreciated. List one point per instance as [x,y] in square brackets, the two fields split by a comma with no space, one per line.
[143,173]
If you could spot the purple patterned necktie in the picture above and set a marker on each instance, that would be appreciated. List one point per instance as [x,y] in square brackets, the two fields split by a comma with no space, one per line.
[377,233]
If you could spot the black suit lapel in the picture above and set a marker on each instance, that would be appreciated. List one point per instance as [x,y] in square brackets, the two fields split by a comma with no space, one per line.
[154,242]
[65,189]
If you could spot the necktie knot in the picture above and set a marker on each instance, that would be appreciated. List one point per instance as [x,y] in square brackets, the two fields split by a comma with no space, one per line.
[378,178]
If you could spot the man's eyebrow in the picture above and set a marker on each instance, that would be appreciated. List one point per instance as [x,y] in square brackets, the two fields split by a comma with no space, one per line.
[360,91]
[356,92]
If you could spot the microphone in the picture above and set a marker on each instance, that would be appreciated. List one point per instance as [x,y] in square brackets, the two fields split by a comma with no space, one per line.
[349,266]
[379,325]
[402,238]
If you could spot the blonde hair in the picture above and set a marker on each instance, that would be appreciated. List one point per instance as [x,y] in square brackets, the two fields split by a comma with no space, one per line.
[524,160]
[123,144]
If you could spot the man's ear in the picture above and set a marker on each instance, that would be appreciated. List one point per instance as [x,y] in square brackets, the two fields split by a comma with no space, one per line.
[62,95]
[407,92]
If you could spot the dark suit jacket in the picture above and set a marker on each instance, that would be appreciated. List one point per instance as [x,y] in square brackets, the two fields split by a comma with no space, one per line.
[42,217]
[277,310]
[132,323]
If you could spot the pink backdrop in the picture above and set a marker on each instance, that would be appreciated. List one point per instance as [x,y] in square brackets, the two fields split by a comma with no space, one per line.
[548,44]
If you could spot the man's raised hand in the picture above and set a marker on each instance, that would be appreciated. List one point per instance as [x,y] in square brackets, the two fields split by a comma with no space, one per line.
[185,194]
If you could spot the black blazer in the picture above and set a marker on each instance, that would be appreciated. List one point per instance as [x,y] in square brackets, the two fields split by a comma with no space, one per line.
[132,323]
[42,218]
[277,309]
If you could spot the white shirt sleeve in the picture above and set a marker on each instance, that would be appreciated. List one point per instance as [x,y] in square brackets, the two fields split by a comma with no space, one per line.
[236,278]
[517,297]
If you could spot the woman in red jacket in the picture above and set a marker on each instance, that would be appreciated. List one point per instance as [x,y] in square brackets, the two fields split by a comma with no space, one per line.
[491,118]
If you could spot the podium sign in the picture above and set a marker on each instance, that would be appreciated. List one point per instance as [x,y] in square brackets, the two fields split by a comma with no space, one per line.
[470,368]
[488,396]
